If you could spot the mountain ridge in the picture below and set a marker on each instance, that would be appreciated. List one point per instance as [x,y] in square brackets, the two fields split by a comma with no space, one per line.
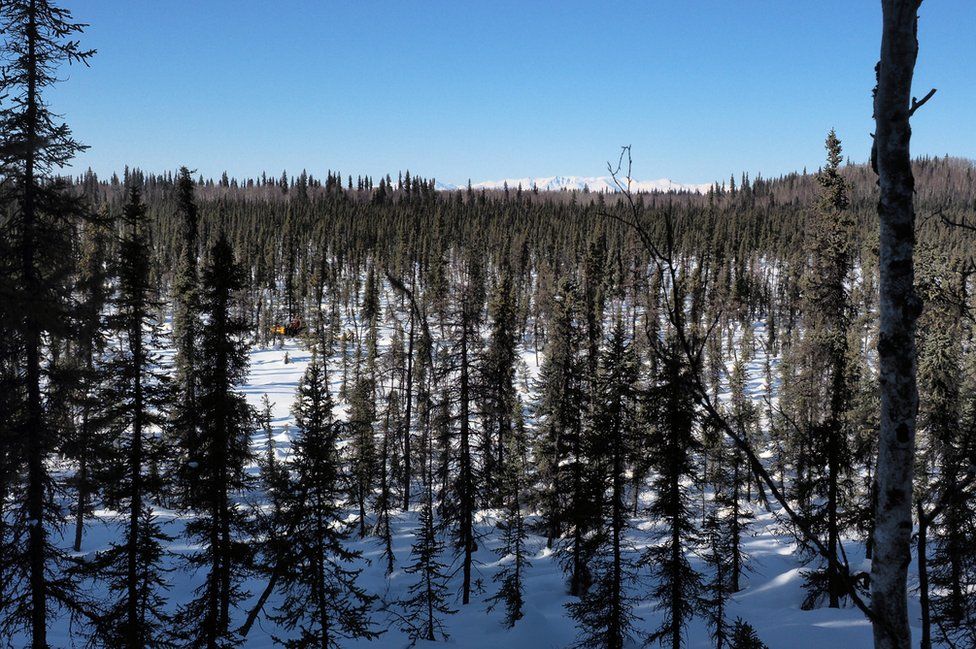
[580,183]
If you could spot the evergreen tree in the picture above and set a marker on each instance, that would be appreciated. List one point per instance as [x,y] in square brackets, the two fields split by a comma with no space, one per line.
[270,524]
[383,527]
[322,601]
[465,481]
[425,605]
[678,586]
[567,499]
[426,601]
[718,588]
[946,444]
[605,611]
[139,395]
[362,415]
[221,456]
[186,424]
[39,212]
[828,315]
[729,474]
[498,377]
[89,445]
[744,637]
[514,487]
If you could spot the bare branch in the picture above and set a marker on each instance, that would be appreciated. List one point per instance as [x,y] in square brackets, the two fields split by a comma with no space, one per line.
[693,354]
[916,104]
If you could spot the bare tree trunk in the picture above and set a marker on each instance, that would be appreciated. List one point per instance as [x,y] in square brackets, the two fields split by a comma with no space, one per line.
[407,418]
[923,578]
[900,307]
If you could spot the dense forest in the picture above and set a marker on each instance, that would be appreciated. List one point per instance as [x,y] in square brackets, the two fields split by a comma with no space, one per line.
[626,382]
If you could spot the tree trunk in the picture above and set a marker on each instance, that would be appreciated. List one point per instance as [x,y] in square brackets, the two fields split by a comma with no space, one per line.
[82,502]
[407,419]
[834,587]
[615,635]
[736,532]
[899,311]
[134,629]
[923,578]
[677,586]
[467,482]
[36,474]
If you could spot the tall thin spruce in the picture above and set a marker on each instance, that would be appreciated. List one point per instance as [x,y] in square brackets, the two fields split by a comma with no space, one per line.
[38,38]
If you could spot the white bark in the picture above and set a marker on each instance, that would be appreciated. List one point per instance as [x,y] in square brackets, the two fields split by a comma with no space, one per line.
[899,312]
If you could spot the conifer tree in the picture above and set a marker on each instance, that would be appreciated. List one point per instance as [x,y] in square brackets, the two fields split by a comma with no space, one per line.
[718,588]
[514,487]
[498,376]
[38,38]
[89,446]
[407,416]
[425,605]
[362,415]
[139,394]
[567,505]
[678,586]
[465,482]
[220,457]
[947,445]
[186,424]
[828,315]
[605,611]
[744,637]
[729,475]
[322,603]
[270,524]
[383,527]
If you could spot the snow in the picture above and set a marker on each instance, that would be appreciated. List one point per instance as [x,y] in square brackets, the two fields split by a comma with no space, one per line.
[770,599]
[578,183]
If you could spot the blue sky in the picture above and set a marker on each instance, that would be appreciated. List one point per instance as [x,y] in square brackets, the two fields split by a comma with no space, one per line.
[486,90]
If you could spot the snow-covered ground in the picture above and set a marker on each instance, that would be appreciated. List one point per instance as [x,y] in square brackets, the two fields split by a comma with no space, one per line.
[770,600]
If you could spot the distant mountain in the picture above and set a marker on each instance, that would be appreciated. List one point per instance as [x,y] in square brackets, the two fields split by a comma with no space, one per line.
[579,183]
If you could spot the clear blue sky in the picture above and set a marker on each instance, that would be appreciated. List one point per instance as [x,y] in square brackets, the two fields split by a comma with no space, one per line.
[459,89]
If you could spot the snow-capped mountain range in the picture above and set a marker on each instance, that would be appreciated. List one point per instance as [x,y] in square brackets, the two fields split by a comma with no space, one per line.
[579,183]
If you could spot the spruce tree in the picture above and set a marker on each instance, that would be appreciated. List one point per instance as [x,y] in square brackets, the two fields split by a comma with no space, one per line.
[38,38]
[678,586]
[744,636]
[383,528]
[89,445]
[514,492]
[425,604]
[717,590]
[729,474]
[322,604]
[498,377]
[186,424]
[604,613]
[362,416]
[946,445]
[139,395]
[567,503]
[465,489]
[828,318]
[220,457]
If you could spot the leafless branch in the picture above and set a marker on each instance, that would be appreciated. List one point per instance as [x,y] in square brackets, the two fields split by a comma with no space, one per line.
[916,104]
[692,351]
